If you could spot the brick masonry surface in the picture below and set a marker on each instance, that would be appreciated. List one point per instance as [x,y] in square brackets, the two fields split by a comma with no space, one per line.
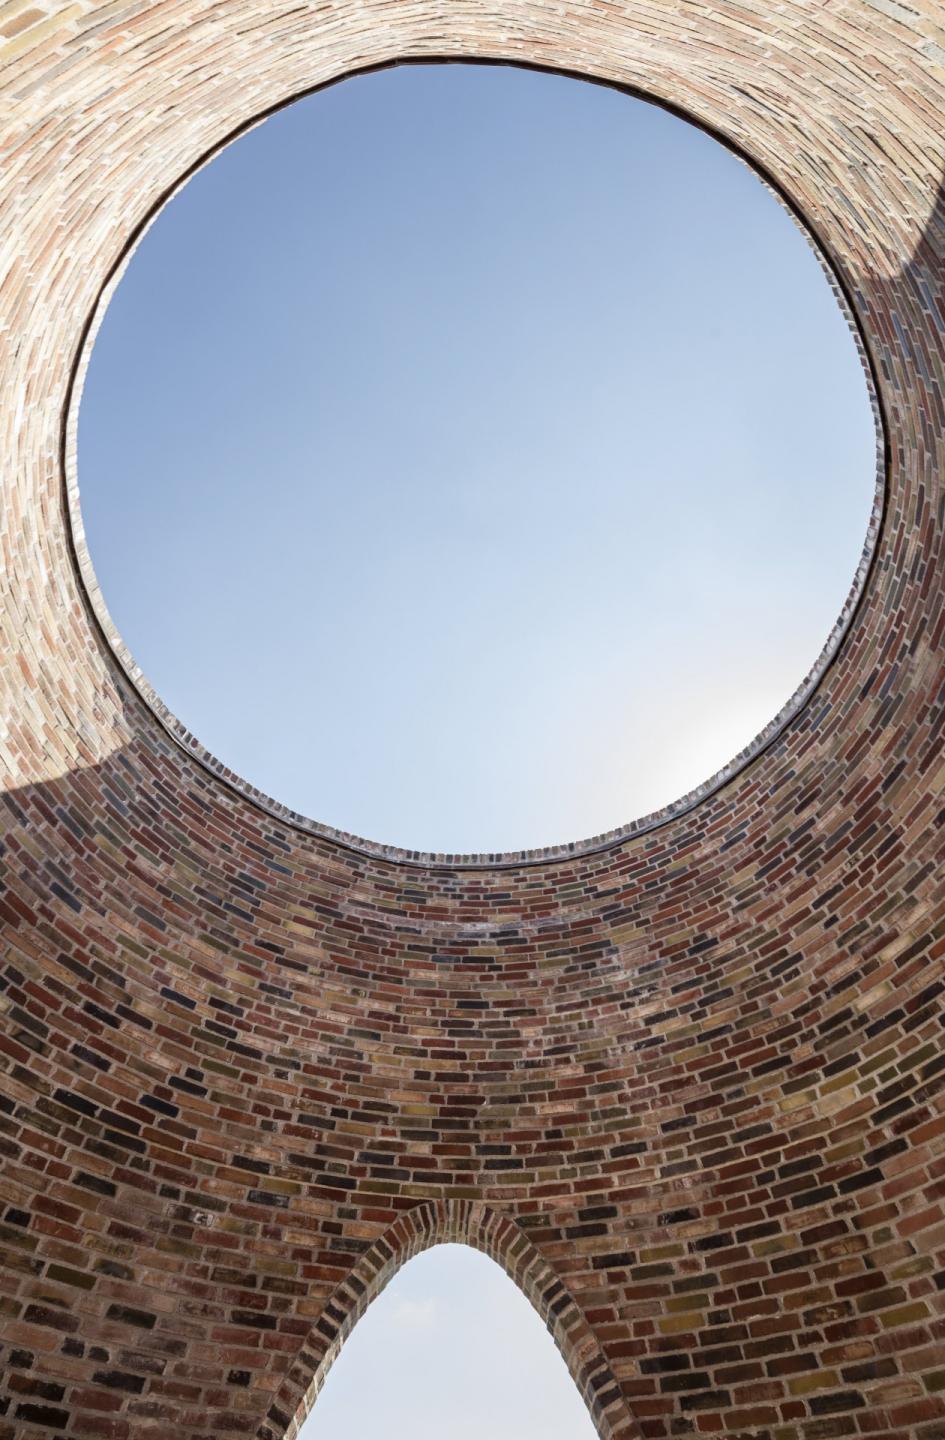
[688,1086]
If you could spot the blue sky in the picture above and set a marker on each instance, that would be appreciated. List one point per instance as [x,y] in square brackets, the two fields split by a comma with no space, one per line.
[474,458]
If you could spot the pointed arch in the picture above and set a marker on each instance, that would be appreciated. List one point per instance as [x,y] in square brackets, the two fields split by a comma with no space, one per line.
[463,1222]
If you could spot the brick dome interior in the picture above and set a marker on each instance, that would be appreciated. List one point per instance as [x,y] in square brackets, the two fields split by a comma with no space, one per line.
[686,1085]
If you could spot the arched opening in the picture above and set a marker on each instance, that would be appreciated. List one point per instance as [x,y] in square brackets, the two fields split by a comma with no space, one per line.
[466,1223]
[450,1347]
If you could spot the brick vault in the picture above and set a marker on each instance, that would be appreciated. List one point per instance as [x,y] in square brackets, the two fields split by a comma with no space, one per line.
[687,1084]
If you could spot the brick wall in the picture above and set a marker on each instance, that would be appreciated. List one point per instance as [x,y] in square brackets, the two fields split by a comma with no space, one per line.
[687,1085]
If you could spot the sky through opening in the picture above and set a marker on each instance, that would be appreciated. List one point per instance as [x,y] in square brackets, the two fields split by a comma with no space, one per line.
[475,458]
[450,1350]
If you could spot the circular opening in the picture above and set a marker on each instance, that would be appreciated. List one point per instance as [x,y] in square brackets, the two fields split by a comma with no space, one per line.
[474,457]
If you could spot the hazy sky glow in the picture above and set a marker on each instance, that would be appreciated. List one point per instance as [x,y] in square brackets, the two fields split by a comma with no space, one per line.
[451,1350]
[475,458]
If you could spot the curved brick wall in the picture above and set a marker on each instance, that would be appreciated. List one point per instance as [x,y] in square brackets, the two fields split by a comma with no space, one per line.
[689,1089]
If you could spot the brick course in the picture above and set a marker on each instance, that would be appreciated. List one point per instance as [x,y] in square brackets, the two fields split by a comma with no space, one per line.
[686,1084]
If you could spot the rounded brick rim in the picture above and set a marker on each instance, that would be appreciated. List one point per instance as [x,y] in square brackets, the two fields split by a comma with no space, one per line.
[91,592]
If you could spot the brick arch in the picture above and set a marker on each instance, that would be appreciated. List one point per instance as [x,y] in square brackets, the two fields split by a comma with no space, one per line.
[701,1066]
[461,1222]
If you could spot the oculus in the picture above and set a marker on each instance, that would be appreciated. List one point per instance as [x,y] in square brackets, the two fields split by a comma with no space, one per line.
[476,459]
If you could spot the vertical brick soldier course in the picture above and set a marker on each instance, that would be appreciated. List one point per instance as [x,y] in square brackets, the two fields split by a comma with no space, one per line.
[687,1085]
